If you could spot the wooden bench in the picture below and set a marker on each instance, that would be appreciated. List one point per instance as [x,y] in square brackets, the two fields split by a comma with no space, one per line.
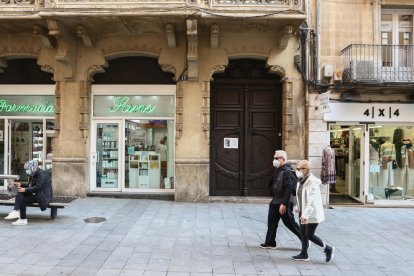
[56,202]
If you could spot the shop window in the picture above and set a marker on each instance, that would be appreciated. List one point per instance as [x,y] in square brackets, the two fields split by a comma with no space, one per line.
[390,144]
[149,154]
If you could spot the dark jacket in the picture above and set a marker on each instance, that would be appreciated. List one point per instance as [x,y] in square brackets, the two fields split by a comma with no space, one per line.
[283,184]
[40,184]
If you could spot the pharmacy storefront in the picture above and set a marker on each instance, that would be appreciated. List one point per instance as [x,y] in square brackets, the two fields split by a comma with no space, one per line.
[26,127]
[132,141]
[373,149]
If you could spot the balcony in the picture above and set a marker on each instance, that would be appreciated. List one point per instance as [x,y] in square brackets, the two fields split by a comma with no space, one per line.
[378,64]
[270,8]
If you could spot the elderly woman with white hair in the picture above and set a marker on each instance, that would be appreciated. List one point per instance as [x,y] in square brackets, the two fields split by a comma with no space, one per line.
[38,189]
[310,208]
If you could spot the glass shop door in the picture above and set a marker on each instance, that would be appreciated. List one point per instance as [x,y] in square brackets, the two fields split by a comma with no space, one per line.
[347,141]
[106,155]
[356,162]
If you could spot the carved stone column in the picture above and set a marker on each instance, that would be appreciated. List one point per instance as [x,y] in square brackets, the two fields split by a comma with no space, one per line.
[179,111]
[192,49]
[287,104]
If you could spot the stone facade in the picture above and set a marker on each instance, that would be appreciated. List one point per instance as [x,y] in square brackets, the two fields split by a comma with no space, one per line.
[75,39]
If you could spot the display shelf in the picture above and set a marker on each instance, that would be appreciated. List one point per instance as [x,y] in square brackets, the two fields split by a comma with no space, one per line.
[109,156]
[144,170]
[37,143]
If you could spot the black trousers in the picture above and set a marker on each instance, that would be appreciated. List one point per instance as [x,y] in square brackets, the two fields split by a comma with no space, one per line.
[273,219]
[22,200]
[308,234]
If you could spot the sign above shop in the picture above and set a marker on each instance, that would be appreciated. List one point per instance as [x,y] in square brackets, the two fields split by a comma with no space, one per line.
[322,101]
[134,106]
[369,112]
[24,105]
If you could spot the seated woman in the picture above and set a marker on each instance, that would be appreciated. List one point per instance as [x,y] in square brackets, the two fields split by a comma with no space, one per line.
[38,189]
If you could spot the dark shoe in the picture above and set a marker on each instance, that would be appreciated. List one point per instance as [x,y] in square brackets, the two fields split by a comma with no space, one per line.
[329,252]
[267,246]
[301,257]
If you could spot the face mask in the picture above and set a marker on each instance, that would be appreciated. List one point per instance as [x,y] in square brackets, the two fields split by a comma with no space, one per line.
[299,174]
[28,172]
[276,163]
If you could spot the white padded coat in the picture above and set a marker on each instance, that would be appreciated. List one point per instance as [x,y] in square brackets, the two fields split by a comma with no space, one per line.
[312,207]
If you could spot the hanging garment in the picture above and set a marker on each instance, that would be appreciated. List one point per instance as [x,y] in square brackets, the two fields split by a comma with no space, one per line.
[396,140]
[328,172]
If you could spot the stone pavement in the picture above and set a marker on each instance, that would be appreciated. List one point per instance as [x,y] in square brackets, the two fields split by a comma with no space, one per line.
[154,237]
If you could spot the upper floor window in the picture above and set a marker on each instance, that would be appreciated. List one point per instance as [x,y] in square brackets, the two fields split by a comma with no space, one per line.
[397,34]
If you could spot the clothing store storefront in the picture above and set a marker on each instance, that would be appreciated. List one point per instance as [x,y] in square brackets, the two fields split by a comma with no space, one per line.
[26,127]
[132,138]
[373,149]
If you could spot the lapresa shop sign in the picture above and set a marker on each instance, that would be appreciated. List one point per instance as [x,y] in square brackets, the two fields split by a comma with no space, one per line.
[27,105]
[133,106]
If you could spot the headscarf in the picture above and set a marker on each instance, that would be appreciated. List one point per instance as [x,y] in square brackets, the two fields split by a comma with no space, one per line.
[31,165]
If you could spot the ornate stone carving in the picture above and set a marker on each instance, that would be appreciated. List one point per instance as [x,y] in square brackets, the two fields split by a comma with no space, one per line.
[84,104]
[179,111]
[48,69]
[218,68]
[66,50]
[17,2]
[170,32]
[214,40]
[42,32]
[86,38]
[168,68]
[192,49]
[206,110]
[277,69]
[288,111]
[24,1]
[94,69]
[58,99]
[284,35]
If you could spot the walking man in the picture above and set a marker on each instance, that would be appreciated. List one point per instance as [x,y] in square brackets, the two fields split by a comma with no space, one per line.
[282,185]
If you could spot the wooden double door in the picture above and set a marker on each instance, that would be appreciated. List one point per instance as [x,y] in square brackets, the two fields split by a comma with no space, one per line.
[246,126]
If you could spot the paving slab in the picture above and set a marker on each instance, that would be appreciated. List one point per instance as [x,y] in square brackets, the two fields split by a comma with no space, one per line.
[157,237]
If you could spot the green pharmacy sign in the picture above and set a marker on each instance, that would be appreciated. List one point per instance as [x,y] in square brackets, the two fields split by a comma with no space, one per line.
[134,106]
[124,104]
[27,105]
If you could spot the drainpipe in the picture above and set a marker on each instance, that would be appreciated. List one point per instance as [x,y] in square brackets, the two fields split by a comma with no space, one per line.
[306,90]
[318,37]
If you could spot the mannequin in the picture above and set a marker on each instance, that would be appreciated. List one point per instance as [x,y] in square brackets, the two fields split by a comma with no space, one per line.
[407,161]
[387,153]
[328,170]
[374,167]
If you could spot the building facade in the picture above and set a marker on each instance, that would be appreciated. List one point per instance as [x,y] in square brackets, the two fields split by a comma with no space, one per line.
[365,65]
[172,98]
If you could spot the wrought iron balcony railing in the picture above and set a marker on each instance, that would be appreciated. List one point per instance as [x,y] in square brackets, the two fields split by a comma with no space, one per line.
[378,63]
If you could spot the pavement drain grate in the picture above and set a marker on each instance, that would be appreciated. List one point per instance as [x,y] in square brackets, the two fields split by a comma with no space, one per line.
[94,219]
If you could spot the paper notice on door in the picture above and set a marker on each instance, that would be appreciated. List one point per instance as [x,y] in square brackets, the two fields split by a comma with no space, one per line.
[231,143]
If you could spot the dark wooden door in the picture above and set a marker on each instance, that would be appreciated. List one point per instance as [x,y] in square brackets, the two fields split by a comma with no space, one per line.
[250,113]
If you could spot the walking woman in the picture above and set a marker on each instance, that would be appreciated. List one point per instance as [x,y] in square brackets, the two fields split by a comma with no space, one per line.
[310,210]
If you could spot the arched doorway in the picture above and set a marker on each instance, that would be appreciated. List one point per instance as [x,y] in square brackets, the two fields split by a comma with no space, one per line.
[246,126]
[133,123]
[27,116]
